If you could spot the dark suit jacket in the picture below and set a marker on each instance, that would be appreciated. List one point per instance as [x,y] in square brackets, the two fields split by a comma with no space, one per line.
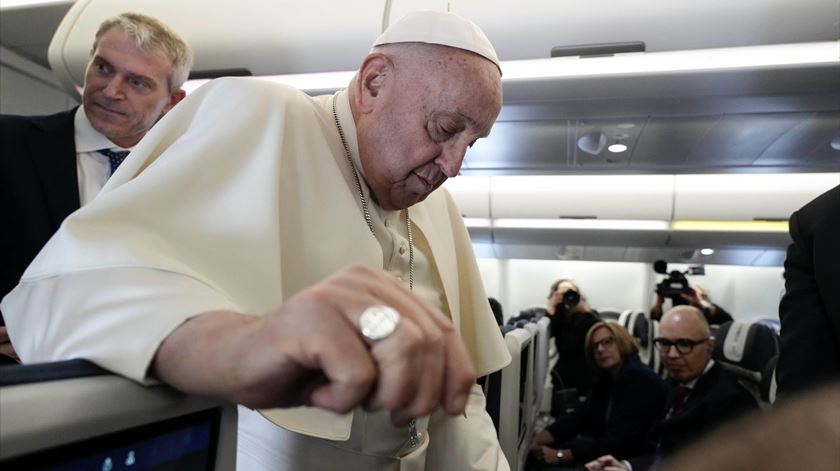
[569,332]
[810,308]
[38,187]
[716,398]
[619,416]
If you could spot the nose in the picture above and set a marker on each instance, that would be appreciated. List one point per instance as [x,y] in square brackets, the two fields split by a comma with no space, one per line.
[450,159]
[672,352]
[113,89]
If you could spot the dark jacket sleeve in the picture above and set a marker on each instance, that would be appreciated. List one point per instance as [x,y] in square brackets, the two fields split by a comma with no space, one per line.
[638,403]
[810,308]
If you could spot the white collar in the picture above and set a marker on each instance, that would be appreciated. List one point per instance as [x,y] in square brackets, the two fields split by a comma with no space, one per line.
[693,382]
[87,138]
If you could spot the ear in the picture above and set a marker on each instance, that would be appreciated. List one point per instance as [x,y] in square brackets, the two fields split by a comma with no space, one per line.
[174,98]
[375,75]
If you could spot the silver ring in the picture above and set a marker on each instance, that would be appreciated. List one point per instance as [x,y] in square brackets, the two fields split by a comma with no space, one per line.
[378,322]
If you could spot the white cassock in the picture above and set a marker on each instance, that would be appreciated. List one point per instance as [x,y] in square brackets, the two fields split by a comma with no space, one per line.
[238,199]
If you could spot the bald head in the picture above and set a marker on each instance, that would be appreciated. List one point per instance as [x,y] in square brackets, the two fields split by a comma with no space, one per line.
[686,319]
[685,342]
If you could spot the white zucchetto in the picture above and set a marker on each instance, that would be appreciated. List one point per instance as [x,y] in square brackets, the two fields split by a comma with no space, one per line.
[443,28]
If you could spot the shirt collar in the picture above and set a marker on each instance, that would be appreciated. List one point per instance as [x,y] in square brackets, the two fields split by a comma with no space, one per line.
[693,382]
[87,138]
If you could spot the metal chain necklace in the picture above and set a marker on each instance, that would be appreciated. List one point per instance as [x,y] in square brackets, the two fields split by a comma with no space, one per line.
[413,435]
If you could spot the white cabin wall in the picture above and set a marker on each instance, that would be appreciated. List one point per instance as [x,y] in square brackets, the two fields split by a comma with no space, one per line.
[746,292]
[519,284]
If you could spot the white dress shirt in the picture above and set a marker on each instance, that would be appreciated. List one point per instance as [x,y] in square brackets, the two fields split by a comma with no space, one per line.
[93,168]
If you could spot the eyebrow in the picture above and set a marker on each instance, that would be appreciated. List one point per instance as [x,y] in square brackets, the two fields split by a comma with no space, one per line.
[472,123]
[127,73]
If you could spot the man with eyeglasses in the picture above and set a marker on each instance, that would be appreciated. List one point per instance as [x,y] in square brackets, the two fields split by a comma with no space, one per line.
[704,394]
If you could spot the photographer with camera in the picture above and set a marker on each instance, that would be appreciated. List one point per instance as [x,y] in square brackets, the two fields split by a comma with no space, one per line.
[571,318]
[677,288]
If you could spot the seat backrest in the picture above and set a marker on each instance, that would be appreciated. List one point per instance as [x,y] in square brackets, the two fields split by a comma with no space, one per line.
[74,415]
[746,348]
[609,314]
[513,391]
[768,381]
[655,362]
[641,328]
[624,318]
[541,374]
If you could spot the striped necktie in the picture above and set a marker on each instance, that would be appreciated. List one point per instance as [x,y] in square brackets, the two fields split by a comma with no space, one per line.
[115,158]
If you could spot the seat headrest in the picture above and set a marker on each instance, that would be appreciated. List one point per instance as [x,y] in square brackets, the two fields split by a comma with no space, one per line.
[608,314]
[640,328]
[747,344]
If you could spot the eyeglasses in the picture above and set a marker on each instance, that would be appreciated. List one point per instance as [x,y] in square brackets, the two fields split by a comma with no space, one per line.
[684,346]
[604,342]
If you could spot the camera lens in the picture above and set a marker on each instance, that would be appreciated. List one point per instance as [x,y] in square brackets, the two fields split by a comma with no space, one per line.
[571,298]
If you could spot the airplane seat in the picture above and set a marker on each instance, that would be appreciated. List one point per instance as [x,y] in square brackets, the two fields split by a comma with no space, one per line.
[641,329]
[532,313]
[75,415]
[768,381]
[542,378]
[655,362]
[507,328]
[624,318]
[514,391]
[774,324]
[609,314]
[746,348]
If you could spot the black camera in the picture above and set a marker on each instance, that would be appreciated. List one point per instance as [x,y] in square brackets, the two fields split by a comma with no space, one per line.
[676,284]
[571,298]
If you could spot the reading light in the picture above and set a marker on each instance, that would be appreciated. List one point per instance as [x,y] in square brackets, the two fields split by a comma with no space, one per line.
[616,148]
[707,251]
[597,224]
[731,226]
[592,143]
[630,225]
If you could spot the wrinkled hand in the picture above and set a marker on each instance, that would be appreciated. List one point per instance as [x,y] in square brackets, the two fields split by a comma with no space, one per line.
[606,463]
[310,351]
[6,347]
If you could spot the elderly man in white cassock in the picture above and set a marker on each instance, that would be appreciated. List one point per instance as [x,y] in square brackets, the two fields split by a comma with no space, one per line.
[295,255]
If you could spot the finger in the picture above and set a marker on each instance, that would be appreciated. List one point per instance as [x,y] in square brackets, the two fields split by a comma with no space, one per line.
[331,366]
[349,373]
[411,364]
[4,334]
[397,380]
[400,362]
[459,373]
[392,292]
[430,387]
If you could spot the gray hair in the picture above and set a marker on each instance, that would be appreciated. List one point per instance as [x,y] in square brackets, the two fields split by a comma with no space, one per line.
[152,35]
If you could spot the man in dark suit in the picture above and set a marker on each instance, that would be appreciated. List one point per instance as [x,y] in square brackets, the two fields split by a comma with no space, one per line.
[810,308]
[704,396]
[52,165]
